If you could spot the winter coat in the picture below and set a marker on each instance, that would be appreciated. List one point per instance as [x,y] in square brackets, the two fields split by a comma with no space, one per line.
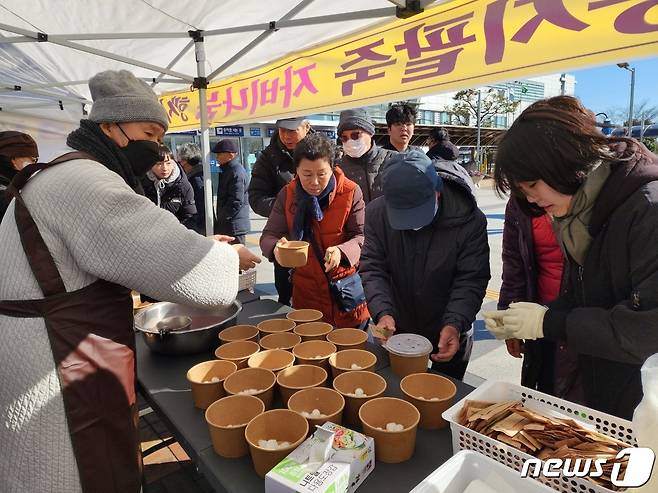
[342,226]
[432,277]
[543,369]
[608,309]
[195,177]
[174,194]
[366,170]
[390,147]
[272,171]
[232,200]
[444,150]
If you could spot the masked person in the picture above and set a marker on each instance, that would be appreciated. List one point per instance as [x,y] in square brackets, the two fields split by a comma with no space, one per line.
[76,239]
[17,150]
[362,160]
[603,195]
[425,259]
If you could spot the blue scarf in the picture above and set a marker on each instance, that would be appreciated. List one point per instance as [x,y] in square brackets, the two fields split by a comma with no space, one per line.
[309,207]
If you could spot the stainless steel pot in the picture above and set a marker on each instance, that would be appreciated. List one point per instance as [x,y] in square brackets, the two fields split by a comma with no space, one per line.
[199,336]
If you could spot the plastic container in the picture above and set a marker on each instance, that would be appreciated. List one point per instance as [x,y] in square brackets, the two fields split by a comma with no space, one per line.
[329,402]
[304,315]
[237,352]
[204,390]
[247,379]
[408,353]
[272,359]
[314,353]
[373,386]
[227,419]
[281,340]
[313,331]
[282,425]
[274,325]
[293,254]
[352,360]
[457,473]
[239,333]
[348,338]
[466,439]
[392,447]
[420,389]
[298,377]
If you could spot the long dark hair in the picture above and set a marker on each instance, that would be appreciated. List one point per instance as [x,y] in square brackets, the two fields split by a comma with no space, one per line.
[555,140]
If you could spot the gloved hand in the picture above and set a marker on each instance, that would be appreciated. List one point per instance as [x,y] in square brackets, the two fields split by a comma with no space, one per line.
[493,321]
[524,321]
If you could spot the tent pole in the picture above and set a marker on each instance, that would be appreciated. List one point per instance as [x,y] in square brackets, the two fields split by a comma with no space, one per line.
[202,83]
[159,79]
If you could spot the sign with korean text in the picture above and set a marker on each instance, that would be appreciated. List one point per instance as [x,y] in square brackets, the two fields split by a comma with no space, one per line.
[230,131]
[459,44]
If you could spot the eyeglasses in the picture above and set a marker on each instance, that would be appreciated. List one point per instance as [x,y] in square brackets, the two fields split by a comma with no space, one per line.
[352,136]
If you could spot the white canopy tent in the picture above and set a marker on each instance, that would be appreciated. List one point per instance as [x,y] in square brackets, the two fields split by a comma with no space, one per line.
[50,48]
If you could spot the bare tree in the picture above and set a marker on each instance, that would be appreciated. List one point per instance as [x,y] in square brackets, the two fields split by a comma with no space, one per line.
[643,112]
[493,102]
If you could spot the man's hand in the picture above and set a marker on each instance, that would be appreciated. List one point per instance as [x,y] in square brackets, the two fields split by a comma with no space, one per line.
[515,347]
[281,241]
[331,258]
[247,259]
[448,344]
[384,329]
[222,238]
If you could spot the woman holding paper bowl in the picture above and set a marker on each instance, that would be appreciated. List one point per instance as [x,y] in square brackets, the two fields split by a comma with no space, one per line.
[324,208]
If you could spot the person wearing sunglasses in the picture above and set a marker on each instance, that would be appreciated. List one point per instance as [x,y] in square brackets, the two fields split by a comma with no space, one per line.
[17,150]
[362,159]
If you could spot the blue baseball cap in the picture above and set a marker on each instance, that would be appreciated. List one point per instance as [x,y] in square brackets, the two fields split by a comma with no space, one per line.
[410,183]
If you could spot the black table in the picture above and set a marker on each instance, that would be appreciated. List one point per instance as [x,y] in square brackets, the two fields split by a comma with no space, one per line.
[162,382]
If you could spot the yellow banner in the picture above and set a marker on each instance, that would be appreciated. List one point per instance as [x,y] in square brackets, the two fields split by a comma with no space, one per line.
[456,45]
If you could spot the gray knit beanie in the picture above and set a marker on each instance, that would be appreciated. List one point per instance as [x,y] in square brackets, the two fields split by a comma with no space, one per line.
[355,119]
[119,96]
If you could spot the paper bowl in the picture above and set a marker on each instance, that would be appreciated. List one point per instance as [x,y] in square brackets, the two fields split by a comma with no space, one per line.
[298,377]
[272,359]
[373,386]
[252,378]
[420,389]
[304,315]
[204,390]
[293,254]
[342,361]
[227,419]
[282,425]
[275,325]
[348,338]
[392,446]
[280,340]
[313,331]
[314,353]
[239,333]
[329,402]
[237,352]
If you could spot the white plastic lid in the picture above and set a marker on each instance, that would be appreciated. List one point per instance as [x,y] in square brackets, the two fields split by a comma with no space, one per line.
[409,345]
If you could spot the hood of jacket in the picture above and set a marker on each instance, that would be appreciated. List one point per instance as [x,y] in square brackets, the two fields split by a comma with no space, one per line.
[457,203]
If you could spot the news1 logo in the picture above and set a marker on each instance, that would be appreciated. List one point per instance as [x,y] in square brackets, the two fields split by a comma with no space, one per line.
[638,471]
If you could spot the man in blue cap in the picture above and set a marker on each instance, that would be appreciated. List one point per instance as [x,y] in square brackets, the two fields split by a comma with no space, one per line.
[425,260]
[232,198]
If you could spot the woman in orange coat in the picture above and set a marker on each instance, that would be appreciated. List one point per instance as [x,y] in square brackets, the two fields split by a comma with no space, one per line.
[323,206]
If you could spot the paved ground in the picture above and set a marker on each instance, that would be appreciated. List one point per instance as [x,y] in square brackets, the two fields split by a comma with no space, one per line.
[170,470]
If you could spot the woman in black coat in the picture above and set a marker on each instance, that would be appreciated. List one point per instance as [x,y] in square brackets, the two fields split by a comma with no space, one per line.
[603,194]
[167,186]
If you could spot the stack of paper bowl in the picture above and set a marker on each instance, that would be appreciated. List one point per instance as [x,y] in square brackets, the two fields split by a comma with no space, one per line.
[431,394]
[313,331]
[314,353]
[227,419]
[207,381]
[327,402]
[408,353]
[271,359]
[281,340]
[358,387]
[352,360]
[258,382]
[348,338]
[239,333]
[299,377]
[237,352]
[305,315]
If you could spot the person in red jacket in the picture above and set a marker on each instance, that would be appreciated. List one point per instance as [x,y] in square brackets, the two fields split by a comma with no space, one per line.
[319,205]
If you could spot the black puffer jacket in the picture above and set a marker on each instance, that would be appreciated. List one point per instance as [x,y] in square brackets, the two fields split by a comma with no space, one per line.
[608,310]
[273,170]
[432,277]
[174,194]
[366,170]
[444,150]
[232,200]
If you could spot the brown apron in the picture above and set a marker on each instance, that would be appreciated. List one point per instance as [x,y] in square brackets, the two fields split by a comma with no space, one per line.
[93,344]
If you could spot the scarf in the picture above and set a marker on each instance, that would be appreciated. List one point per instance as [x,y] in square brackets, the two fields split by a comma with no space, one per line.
[309,207]
[90,138]
[572,229]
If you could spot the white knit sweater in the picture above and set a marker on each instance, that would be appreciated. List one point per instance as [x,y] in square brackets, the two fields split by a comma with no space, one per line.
[95,226]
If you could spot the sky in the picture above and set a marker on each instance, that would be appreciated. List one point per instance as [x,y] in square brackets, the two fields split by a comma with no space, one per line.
[607,88]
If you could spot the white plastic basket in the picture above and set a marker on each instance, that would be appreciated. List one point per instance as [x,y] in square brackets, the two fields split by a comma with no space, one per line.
[247,280]
[466,439]
[456,474]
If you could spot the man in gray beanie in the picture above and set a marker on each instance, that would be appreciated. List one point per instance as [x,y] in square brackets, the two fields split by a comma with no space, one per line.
[362,159]
[75,240]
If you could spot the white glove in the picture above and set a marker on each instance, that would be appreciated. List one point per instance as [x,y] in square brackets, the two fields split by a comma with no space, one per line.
[493,321]
[524,321]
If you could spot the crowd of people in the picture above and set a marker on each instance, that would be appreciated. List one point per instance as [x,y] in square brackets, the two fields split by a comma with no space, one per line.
[396,238]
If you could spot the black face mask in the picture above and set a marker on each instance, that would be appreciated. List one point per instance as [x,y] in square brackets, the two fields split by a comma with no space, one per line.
[142,154]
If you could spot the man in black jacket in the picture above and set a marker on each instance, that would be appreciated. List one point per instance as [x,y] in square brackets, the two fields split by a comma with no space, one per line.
[232,196]
[190,158]
[425,260]
[273,170]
